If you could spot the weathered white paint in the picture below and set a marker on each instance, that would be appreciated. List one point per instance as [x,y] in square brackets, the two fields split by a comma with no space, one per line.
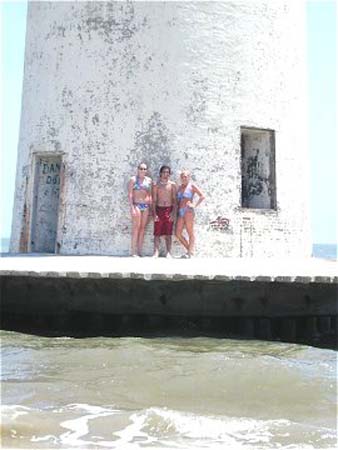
[108,84]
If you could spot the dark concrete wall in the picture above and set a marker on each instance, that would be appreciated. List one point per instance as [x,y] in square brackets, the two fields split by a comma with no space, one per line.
[294,312]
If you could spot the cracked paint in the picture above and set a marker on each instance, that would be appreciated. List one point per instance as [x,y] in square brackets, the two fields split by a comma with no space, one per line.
[110,84]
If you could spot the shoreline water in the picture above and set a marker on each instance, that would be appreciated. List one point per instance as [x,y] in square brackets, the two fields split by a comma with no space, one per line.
[184,393]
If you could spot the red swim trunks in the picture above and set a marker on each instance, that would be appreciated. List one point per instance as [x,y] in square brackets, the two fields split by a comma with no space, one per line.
[164,226]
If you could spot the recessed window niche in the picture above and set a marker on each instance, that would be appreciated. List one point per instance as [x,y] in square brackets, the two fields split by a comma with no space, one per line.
[258,168]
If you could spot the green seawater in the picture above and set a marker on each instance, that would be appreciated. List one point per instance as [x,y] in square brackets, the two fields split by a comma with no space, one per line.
[185,393]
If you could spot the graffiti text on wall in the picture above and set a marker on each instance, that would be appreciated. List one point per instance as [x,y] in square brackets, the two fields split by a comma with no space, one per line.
[51,172]
[220,224]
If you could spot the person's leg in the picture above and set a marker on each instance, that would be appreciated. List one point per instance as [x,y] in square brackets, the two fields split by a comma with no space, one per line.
[143,223]
[179,231]
[168,231]
[189,225]
[168,243]
[136,221]
[156,246]
[157,234]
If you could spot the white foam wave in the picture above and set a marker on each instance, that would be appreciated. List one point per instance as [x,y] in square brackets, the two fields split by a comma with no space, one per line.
[79,427]
[158,427]
[47,437]
[190,431]
[194,431]
[164,428]
[11,412]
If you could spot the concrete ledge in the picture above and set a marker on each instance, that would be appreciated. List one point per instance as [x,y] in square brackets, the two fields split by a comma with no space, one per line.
[323,279]
[170,276]
[303,279]
[219,269]
[265,279]
[181,297]
[284,279]
[48,274]
[116,275]
[121,295]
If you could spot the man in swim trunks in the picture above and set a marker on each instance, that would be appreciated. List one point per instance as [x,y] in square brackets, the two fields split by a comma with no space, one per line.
[164,210]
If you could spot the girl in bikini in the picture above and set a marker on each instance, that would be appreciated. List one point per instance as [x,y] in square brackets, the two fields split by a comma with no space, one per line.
[140,200]
[186,211]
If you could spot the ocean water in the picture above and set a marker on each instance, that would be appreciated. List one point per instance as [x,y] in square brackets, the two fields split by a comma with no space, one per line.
[326,251]
[4,245]
[177,393]
[166,393]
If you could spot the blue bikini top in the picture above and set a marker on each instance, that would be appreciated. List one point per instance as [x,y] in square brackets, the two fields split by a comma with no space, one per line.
[145,185]
[187,193]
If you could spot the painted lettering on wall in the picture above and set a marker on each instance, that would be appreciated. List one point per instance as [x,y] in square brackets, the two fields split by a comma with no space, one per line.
[51,172]
[53,180]
[50,168]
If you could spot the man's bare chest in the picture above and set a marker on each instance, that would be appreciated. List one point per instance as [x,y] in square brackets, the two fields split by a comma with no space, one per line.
[164,189]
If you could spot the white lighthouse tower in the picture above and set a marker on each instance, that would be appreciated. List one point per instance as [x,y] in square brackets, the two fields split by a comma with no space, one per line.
[218,88]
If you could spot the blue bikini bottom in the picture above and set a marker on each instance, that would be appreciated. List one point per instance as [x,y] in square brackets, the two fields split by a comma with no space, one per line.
[142,206]
[182,211]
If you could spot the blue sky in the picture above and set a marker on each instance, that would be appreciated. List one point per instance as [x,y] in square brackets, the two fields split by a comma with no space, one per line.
[322,65]
[322,44]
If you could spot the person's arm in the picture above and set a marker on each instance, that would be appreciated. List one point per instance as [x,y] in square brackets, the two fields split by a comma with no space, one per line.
[174,201]
[154,201]
[200,194]
[130,196]
[150,199]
